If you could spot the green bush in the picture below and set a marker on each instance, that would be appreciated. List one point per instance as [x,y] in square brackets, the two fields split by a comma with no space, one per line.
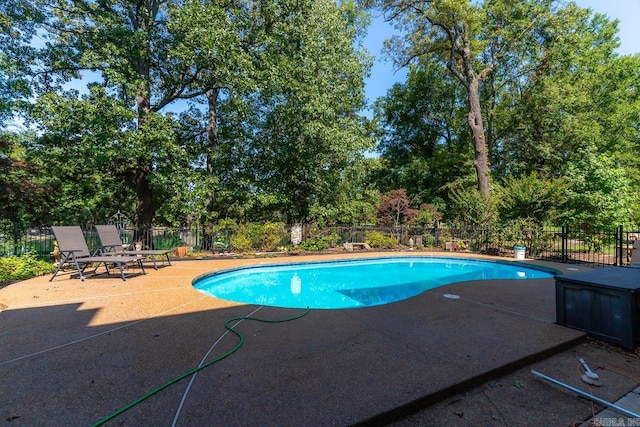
[226,224]
[428,240]
[320,242]
[23,267]
[375,239]
[471,207]
[241,242]
[272,234]
[313,244]
[514,231]
[252,236]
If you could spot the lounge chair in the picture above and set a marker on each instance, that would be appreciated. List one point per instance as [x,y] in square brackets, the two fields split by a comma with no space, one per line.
[112,244]
[74,251]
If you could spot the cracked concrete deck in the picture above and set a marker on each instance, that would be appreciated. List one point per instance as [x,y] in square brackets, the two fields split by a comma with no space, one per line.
[75,352]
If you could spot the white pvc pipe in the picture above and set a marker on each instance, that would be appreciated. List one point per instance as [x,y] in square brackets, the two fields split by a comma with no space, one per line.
[588,396]
[589,372]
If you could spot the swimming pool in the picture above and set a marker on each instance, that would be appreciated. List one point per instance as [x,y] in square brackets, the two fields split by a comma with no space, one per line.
[352,283]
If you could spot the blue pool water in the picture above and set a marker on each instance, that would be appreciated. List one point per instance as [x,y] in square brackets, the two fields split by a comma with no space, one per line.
[353,283]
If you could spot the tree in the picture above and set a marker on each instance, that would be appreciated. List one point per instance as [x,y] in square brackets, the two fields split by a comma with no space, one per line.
[83,153]
[23,198]
[532,196]
[451,32]
[395,208]
[219,40]
[146,55]
[600,196]
[554,93]
[305,129]
[18,21]
[488,47]
[258,78]
[566,98]
[422,132]
[574,117]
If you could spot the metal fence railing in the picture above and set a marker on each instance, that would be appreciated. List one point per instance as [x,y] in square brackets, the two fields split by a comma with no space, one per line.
[40,240]
[560,244]
[592,247]
[16,241]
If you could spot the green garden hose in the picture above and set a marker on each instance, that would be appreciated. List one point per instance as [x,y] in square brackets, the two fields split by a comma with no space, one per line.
[193,371]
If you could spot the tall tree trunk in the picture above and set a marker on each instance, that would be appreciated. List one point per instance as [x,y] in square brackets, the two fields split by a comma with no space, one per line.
[212,140]
[144,193]
[481,159]
[143,20]
[471,81]
[212,145]
[144,196]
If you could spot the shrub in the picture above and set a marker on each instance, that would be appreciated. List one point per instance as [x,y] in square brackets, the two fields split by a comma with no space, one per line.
[444,236]
[427,215]
[272,234]
[226,224]
[241,242]
[532,196]
[253,236]
[376,239]
[428,240]
[470,207]
[514,231]
[320,242]
[313,244]
[23,267]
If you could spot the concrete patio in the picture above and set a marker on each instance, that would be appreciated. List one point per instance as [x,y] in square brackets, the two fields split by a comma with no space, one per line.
[73,353]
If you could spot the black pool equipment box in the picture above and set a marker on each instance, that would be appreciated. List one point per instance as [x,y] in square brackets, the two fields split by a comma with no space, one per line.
[605,303]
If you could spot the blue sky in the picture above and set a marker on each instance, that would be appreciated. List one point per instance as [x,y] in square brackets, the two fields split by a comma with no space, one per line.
[384,75]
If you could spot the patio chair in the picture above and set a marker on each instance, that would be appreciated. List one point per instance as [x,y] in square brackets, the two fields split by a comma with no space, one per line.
[74,251]
[112,244]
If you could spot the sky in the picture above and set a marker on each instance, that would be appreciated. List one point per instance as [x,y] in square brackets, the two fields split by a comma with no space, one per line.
[384,75]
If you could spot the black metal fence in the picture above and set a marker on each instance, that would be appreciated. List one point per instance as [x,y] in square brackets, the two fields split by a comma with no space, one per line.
[560,244]
[40,240]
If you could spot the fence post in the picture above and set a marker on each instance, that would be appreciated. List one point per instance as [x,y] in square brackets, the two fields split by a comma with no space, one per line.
[564,235]
[619,248]
[16,240]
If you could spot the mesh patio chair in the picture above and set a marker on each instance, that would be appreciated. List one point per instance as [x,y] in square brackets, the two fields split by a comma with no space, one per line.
[112,244]
[74,251]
